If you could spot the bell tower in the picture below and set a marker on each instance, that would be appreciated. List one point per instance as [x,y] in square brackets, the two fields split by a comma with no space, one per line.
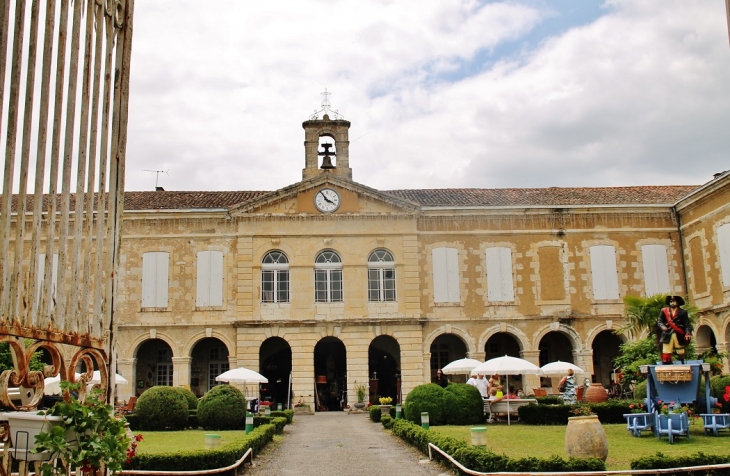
[326,144]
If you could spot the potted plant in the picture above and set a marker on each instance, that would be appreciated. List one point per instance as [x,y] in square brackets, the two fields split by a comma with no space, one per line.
[361,392]
[89,438]
[385,404]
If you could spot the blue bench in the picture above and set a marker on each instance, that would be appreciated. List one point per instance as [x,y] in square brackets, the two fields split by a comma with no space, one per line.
[715,421]
[638,422]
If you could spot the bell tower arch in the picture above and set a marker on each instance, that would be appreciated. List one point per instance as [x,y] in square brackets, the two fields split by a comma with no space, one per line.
[319,156]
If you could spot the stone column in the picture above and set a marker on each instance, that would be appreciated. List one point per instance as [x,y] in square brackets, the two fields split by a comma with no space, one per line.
[127,368]
[531,381]
[181,371]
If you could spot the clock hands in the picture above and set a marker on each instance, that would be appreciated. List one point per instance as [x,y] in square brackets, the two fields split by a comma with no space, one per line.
[327,199]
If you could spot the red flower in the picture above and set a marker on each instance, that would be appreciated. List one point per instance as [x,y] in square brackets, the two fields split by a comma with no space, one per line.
[631,406]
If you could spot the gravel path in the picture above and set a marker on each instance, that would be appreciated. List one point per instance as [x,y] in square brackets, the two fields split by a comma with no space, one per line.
[337,443]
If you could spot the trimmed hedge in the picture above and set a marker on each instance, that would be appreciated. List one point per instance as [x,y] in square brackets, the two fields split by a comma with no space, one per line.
[425,398]
[209,459]
[222,408]
[608,412]
[375,413]
[189,397]
[463,405]
[663,461]
[288,414]
[481,460]
[161,408]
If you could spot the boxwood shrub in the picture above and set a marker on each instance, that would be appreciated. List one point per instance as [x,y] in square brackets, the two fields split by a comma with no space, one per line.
[462,405]
[375,414]
[161,408]
[664,461]
[189,397]
[222,408]
[425,398]
[288,414]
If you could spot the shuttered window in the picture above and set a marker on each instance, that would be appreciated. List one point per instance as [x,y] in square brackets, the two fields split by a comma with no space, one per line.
[210,279]
[723,243]
[155,265]
[499,275]
[604,273]
[445,275]
[656,269]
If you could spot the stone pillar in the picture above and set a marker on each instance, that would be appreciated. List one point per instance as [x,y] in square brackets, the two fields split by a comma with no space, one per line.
[127,368]
[181,371]
[531,382]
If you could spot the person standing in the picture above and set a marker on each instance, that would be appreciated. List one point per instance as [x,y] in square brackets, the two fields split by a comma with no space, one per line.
[482,384]
[568,383]
[441,379]
[676,329]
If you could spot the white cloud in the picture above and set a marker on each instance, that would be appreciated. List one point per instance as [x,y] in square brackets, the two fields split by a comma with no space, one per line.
[220,89]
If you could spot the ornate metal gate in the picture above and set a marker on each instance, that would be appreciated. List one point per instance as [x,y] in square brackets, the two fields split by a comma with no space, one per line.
[64,87]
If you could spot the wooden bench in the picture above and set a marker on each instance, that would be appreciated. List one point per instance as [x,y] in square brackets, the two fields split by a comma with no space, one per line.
[501,407]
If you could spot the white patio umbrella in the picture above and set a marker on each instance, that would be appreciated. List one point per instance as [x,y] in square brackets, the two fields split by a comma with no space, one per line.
[52,385]
[507,366]
[560,368]
[97,378]
[461,366]
[241,375]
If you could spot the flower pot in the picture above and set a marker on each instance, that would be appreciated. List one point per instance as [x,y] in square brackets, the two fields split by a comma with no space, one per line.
[24,427]
[585,438]
[385,409]
[596,394]
[360,405]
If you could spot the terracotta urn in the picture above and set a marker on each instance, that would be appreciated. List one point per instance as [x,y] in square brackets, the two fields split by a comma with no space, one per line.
[585,438]
[596,393]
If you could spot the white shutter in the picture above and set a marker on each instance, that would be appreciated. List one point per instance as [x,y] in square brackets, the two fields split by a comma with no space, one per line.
[440,279]
[202,297]
[604,272]
[163,260]
[155,267]
[499,274]
[149,282]
[452,266]
[216,278]
[723,243]
[656,269]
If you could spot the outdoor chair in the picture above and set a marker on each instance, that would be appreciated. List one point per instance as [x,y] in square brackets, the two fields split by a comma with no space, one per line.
[129,407]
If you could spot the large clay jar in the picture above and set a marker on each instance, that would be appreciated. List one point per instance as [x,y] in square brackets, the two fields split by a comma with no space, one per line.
[596,393]
[585,438]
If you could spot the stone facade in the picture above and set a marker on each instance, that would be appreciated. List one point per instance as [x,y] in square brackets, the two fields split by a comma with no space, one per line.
[550,303]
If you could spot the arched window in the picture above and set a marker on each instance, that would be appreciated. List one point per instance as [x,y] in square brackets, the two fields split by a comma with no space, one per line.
[328,277]
[381,276]
[275,277]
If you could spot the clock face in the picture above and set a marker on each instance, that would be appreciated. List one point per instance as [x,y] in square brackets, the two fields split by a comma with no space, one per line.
[327,200]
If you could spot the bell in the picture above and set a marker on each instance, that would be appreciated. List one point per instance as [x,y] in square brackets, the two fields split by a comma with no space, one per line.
[327,163]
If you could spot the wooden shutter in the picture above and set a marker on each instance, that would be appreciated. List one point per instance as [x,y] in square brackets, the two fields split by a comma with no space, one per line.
[202,298]
[604,272]
[155,266]
[723,244]
[445,275]
[499,274]
[656,269]
[216,278]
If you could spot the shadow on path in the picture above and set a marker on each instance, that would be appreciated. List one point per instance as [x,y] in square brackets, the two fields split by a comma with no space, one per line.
[337,443]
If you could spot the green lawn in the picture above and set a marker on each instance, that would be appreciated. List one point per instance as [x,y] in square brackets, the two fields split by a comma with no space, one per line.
[154,442]
[518,441]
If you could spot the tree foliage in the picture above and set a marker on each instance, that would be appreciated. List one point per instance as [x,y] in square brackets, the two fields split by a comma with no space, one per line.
[6,358]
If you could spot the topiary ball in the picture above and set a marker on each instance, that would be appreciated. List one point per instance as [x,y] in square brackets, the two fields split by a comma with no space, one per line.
[189,397]
[222,408]
[463,405]
[162,408]
[425,398]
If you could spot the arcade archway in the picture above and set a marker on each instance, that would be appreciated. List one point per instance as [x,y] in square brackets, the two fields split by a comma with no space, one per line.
[444,349]
[275,364]
[384,369]
[330,374]
[605,349]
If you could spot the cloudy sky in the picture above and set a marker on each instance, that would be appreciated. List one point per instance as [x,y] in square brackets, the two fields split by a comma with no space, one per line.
[457,93]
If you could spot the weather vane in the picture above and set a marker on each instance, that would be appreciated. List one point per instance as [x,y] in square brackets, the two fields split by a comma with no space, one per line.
[325,108]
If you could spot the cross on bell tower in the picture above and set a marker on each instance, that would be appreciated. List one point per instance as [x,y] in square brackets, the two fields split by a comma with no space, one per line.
[337,130]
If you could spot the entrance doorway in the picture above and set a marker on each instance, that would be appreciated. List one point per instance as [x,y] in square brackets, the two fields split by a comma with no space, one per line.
[275,358]
[384,369]
[445,349]
[330,375]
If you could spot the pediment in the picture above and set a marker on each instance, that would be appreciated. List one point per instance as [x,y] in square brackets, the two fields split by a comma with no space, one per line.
[299,198]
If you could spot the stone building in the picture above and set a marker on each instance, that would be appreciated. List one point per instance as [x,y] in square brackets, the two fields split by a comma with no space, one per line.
[329,283]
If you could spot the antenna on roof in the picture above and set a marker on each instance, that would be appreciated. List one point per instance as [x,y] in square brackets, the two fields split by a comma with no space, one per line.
[157,178]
